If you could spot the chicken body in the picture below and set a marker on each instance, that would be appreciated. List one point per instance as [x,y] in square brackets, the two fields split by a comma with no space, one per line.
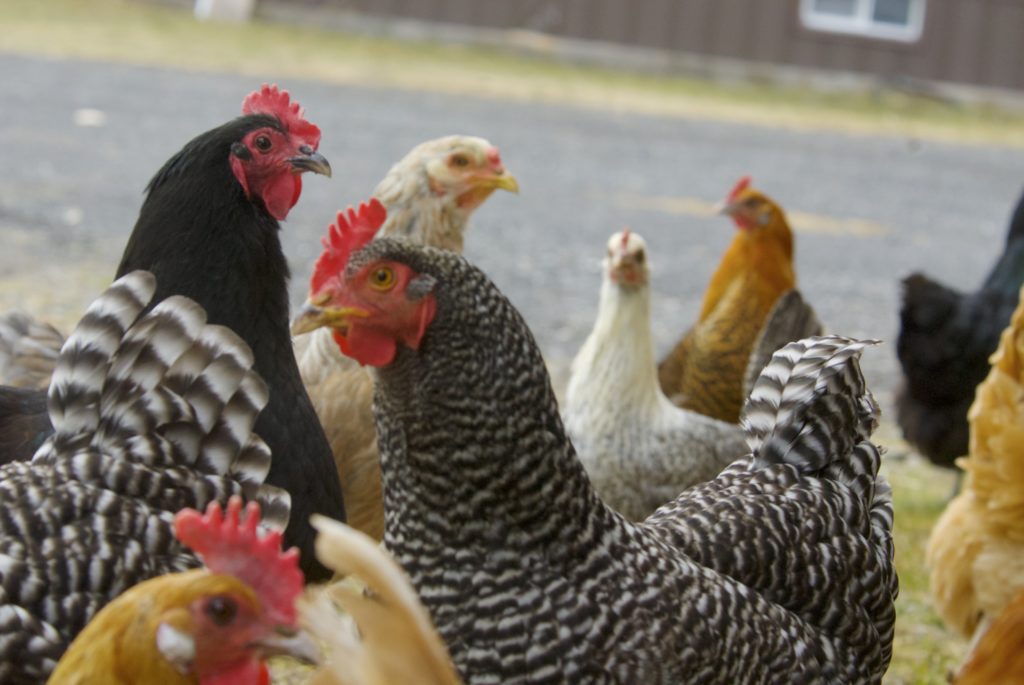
[705,370]
[976,550]
[529,577]
[639,449]
[152,413]
[429,195]
[944,344]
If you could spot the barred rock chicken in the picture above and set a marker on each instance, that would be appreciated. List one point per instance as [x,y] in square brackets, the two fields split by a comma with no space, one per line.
[429,196]
[151,413]
[944,344]
[779,570]
[705,370]
[639,449]
[208,626]
[976,550]
[393,640]
[209,230]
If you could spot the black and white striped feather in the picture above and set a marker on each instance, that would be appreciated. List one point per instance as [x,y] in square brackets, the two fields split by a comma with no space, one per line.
[152,413]
[810,404]
[778,570]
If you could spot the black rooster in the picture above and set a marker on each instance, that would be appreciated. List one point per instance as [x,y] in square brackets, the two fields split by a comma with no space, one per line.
[209,230]
[944,344]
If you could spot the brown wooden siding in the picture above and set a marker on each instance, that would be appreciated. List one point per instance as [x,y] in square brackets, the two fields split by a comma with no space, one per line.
[978,42]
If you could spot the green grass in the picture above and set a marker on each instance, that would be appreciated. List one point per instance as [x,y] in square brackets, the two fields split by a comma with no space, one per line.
[146,34]
[924,650]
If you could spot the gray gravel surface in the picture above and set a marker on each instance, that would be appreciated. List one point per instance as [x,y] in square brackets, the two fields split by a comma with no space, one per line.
[873,208]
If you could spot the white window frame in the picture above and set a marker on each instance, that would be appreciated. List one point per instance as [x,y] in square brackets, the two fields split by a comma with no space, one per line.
[862,23]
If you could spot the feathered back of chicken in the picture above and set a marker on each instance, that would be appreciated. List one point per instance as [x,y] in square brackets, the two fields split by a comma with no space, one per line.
[396,642]
[783,427]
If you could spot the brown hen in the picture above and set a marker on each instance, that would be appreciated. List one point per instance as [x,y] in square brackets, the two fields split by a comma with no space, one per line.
[706,369]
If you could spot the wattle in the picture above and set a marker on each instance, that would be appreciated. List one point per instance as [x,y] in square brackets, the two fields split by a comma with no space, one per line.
[281,193]
[367,346]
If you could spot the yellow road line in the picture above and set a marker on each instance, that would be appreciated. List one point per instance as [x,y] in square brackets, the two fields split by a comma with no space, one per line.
[801,222]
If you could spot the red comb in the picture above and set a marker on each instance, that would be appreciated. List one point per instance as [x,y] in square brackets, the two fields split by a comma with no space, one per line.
[269,100]
[740,186]
[625,238]
[494,158]
[350,231]
[232,546]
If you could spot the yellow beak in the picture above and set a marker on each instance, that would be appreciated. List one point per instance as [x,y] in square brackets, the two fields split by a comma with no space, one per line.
[312,317]
[503,181]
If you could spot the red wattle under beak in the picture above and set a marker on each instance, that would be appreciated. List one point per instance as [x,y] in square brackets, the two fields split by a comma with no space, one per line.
[367,346]
[281,194]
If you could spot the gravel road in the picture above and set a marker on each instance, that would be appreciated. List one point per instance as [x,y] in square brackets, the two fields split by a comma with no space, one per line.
[81,139]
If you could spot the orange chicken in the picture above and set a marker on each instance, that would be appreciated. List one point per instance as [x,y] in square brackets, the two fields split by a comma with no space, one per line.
[429,196]
[210,626]
[976,550]
[705,371]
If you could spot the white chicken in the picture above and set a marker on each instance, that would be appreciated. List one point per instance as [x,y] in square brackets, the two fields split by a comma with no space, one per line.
[639,449]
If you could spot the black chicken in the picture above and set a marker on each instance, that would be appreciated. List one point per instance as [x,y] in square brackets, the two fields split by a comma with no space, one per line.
[944,344]
[208,230]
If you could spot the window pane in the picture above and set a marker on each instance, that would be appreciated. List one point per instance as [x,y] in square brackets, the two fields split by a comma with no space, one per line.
[842,8]
[892,12]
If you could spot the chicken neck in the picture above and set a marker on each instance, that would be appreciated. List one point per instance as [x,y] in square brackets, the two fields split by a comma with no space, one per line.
[616,366]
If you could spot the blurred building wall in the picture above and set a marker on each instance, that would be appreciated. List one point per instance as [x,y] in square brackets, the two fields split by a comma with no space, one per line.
[975,42]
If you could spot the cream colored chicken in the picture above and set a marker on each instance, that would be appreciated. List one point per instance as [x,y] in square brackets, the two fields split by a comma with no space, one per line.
[429,196]
[639,449]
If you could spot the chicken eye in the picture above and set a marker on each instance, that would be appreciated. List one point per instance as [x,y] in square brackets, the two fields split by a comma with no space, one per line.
[382,278]
[640,257]
[460,160]
[263,143]
[221,610]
